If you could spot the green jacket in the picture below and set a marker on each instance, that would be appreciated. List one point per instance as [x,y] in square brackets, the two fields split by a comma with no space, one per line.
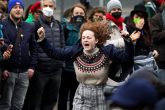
[30,18]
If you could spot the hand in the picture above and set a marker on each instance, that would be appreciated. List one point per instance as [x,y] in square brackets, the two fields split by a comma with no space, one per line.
[30,73]
[41,33]
[7,53]
[5,74]
[155,53]
[135,35]
[124,33]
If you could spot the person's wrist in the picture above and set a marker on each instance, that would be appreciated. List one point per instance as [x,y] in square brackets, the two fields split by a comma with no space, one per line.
[40,39]
[132,39]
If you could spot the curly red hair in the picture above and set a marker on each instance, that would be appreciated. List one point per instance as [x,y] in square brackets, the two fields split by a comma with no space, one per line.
[101,31]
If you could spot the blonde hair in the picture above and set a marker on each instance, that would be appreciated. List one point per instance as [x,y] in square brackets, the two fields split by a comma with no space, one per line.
[101,30]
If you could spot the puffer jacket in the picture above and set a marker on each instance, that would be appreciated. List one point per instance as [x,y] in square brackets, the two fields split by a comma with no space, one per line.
[55,36]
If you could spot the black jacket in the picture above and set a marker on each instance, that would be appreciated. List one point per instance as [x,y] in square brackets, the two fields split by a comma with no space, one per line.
[23,56]
[55,36]
[158,35]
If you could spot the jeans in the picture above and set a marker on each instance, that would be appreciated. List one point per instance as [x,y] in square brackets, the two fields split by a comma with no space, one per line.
[14,91]
[161,74]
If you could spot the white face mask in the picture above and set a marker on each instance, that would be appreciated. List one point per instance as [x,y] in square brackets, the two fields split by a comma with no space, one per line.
[47,11]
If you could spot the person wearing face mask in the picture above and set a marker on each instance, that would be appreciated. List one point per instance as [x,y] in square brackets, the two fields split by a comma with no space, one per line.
[44,86]
[116,21]
[78,15]
[68,80]
[118,30]
[143,45]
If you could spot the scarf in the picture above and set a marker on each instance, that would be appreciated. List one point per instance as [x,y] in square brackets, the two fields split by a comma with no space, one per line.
[118,21]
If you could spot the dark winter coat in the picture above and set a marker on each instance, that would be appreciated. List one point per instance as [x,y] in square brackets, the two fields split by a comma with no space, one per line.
[158,35]
[23,55]
[55,36]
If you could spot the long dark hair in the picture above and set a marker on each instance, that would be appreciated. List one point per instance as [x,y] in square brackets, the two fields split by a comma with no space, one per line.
[146,37]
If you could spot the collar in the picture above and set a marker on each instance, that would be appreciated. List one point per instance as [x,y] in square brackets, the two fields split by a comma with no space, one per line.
[71,27]
[94,51]
[19,24]
[46,21]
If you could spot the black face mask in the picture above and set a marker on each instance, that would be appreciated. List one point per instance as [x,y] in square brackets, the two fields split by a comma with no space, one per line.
[116,15]
[78,19]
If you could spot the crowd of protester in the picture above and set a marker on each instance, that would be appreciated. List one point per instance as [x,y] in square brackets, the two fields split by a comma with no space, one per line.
[46,62]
